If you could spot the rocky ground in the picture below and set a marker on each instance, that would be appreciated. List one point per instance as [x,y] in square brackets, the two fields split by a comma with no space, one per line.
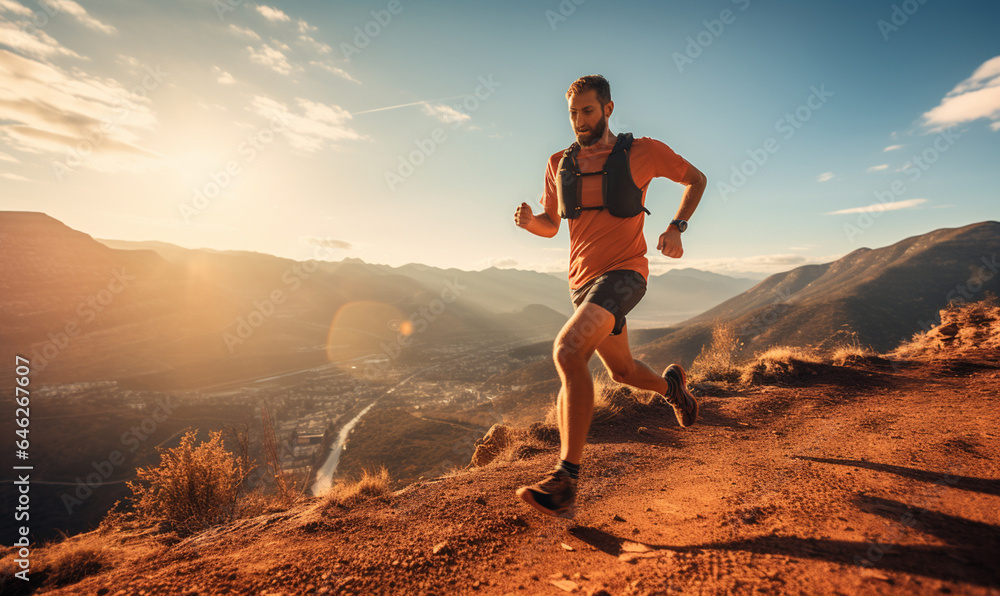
[878,477]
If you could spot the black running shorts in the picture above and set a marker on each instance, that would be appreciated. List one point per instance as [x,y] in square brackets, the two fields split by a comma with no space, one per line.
[618,291]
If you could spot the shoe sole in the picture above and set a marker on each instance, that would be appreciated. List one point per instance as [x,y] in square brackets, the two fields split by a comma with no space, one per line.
[525,494]
[688,394]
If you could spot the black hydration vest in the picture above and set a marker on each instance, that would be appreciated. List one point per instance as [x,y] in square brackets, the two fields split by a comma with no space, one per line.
[622,198]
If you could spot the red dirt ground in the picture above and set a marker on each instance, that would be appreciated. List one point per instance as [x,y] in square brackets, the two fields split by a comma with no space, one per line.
[869,479]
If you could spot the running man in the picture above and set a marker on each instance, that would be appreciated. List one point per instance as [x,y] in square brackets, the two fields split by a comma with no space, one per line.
[599,184]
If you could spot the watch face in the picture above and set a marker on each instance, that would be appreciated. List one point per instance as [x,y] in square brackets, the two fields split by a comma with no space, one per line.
[682,225]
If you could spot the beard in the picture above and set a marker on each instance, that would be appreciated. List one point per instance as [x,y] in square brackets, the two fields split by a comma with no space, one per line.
[588,138]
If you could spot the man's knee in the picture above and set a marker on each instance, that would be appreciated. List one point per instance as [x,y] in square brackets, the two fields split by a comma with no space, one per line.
[567,356]
[622,375]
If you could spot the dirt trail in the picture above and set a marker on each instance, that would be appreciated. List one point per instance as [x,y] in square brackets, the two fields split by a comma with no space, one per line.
[862,480]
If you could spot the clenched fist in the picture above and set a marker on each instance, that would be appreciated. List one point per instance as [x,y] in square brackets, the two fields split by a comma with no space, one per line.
[523,215]
[670,243]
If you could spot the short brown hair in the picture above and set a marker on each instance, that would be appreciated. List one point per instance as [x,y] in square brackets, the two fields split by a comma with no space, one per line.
[595,82]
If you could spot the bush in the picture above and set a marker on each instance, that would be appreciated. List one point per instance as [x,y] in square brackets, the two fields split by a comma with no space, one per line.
[777,363]
[194,487]
[371,484]
[719,360]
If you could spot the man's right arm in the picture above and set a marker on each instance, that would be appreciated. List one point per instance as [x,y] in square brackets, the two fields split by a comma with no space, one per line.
[539,225]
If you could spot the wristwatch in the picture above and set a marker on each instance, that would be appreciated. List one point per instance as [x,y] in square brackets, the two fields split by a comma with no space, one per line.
[681,224]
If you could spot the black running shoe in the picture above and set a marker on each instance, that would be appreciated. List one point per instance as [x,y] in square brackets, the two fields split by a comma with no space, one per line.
[684,404]
[555,495]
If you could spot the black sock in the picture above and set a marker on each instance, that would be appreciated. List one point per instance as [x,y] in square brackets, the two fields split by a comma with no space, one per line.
[572,469]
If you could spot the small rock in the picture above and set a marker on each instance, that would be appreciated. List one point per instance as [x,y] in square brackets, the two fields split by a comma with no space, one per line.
[617,518]
[567,547]
[440,547]
[480,500]
[565,585]
[102,591]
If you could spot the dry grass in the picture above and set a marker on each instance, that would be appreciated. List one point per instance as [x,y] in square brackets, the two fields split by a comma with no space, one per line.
[777,362]
[60,563]
[964,326]
[719,360]
[371,484]
[609,399]
[847,349]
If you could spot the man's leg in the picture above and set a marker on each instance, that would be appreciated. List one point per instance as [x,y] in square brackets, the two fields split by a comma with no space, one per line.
[617,358]
[572,350]
[623,368]
[574,346]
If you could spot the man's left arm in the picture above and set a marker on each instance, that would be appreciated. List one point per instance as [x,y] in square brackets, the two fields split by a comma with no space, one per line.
[695,182]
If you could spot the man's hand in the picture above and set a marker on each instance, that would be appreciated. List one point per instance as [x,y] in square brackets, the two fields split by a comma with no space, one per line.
[523,216]
[670,243]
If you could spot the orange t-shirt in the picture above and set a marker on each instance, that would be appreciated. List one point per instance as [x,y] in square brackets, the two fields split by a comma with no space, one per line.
[598,241]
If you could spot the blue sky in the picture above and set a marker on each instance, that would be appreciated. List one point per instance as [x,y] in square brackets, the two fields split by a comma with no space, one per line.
[409,131]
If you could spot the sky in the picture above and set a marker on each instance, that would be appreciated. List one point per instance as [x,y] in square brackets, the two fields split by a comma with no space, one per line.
[399,131]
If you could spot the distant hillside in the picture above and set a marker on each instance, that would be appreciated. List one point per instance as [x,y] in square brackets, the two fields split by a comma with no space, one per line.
[883,295]
[156,315]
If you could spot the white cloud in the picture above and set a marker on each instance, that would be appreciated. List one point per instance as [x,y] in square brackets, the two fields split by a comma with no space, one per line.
[334,70]
[446,114]
[312,126]
[878,168]
[327,242]
[11,176]
[880,207]
[976,97]
[14,7]
[244,32]
[756,265]
[271,58]
[8,157]
[316,46]
[892,148]
[272,14]
[304,27]
[50,110]
[825,177]
[38,43]
[80,14]
[223,77]
[499,263]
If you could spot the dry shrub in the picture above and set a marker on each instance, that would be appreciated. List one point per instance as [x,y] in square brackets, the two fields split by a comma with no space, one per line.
[606,406]
[194,487]
[371,484]
[965,326]
[59,563]
[848,349]
[719,360]
[777,363]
